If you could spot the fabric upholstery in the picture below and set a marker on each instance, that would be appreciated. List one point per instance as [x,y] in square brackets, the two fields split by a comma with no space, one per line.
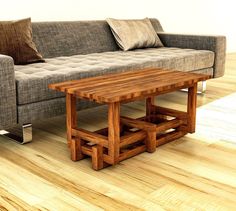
[216,44]
[156,25]
[7,92]
[16,41]
[131,34]
[32,80]
[54,39]
[47,109]
[206,71]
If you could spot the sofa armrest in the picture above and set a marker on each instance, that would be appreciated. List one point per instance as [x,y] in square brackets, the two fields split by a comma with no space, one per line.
[217,44]
[8,113]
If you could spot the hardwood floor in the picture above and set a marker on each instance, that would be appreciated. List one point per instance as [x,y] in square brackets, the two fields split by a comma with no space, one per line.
[196,172]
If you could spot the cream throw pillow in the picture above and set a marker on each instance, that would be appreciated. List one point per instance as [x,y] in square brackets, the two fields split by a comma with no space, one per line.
[131,34]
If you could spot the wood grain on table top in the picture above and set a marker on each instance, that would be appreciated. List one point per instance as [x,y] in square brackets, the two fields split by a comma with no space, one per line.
[127,85]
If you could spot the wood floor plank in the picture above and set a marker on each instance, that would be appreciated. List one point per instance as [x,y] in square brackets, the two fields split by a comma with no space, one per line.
[59,181]
[9,201]
[180,198]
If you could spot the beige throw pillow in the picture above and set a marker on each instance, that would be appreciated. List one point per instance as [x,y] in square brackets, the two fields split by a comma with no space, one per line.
[131,34]
[16,41]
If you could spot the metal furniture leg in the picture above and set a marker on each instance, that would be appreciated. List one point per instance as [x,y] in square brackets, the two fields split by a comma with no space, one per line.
[201,89]
[22,134]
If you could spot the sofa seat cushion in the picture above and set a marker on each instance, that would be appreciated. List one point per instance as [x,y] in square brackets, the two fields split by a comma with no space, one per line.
[32,80]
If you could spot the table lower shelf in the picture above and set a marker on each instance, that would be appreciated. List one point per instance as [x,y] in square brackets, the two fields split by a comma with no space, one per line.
[136,136]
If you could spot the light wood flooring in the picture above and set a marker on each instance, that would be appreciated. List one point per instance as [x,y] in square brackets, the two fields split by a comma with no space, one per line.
[196,172]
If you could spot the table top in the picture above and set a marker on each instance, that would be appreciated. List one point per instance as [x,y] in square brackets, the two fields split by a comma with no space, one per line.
[129,85]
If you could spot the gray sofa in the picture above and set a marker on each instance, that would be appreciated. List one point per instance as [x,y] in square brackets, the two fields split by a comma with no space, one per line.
[79,49]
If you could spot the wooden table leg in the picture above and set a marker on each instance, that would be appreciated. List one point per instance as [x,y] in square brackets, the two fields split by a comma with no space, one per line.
[71,119]
[114,131]
[151,135]
[150,141]
[149,109]
[191,108]
[97,157]
[76,149]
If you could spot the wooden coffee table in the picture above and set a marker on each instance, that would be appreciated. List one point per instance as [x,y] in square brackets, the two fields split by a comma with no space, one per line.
[126,137]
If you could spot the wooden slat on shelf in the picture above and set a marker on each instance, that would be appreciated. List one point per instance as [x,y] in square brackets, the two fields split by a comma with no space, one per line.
[171,112]
[90,136]
[132,138]
[132,152]
[166,138]
[102,131]
[86,150]
[161,127]
[147,126]
[154,117]
[183,128]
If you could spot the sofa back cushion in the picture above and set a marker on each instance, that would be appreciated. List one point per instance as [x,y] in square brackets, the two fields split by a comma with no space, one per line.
[54,39]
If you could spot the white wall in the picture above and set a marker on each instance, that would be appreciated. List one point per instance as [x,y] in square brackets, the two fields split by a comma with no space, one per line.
[187,16]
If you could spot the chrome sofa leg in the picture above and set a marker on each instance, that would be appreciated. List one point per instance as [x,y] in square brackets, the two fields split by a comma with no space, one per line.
[201,88]
[22,134]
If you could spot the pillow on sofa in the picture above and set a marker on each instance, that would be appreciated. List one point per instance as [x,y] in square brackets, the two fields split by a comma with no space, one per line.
[131,34]
[16,41]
